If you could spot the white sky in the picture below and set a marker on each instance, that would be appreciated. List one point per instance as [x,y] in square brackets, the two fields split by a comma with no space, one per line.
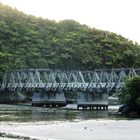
[119,16]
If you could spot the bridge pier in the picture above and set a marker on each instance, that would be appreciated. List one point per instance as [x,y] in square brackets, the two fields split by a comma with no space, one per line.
[92,100]
[11,97]
[48,98]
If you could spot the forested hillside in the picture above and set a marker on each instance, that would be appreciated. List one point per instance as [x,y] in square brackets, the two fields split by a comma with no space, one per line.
[30,42]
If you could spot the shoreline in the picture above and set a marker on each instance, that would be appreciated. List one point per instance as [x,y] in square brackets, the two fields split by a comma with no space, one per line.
[84,130]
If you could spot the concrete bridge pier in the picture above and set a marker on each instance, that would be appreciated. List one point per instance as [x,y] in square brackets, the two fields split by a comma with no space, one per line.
[92,100]
[48,98]
[11,97]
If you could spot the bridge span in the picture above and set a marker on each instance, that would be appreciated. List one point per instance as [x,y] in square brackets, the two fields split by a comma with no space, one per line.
[53,82]
[67,80]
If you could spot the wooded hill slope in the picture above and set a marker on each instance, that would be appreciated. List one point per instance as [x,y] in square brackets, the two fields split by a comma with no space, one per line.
[30,42]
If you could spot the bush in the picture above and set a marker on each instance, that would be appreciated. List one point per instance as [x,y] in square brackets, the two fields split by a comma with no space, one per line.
[130,95]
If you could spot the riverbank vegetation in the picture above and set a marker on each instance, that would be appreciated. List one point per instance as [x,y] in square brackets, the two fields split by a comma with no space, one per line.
[130,95]
[30,42]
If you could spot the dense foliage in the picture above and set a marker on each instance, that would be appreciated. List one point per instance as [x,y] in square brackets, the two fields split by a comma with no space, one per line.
[130,94]
[30,42]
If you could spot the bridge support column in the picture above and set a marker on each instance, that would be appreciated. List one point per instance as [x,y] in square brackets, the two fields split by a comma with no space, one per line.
[48,98]
[92,100]
[11,97]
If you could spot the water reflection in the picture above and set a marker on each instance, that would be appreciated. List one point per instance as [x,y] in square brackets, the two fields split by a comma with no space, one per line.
[24,113]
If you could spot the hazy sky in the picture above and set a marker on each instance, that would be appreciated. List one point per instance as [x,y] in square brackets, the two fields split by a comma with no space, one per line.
[119,16]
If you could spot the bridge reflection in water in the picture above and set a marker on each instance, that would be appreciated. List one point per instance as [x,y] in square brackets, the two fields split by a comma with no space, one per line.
[51,86]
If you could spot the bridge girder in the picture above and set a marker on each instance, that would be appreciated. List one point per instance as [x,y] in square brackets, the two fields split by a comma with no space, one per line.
[99,79]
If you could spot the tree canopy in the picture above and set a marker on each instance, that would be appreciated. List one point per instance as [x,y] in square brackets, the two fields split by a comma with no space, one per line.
[30,42]
[130,94]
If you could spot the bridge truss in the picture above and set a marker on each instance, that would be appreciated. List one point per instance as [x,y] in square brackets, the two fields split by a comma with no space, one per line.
[57,80]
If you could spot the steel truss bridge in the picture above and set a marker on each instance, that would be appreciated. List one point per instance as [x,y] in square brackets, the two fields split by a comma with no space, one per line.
[57,80]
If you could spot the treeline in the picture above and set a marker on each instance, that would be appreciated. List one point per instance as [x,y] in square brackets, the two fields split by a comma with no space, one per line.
[30,42]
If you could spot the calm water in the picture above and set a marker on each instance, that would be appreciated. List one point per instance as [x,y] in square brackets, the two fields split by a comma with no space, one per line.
[27,113]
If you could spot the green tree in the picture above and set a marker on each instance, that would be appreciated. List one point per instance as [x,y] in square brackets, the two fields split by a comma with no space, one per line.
[30,42]
[130,95]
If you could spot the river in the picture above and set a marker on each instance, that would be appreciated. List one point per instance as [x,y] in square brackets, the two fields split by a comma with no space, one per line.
[65,123]
[27,113]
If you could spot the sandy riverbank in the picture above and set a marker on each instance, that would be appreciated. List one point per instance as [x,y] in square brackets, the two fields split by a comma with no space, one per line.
[82,130]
